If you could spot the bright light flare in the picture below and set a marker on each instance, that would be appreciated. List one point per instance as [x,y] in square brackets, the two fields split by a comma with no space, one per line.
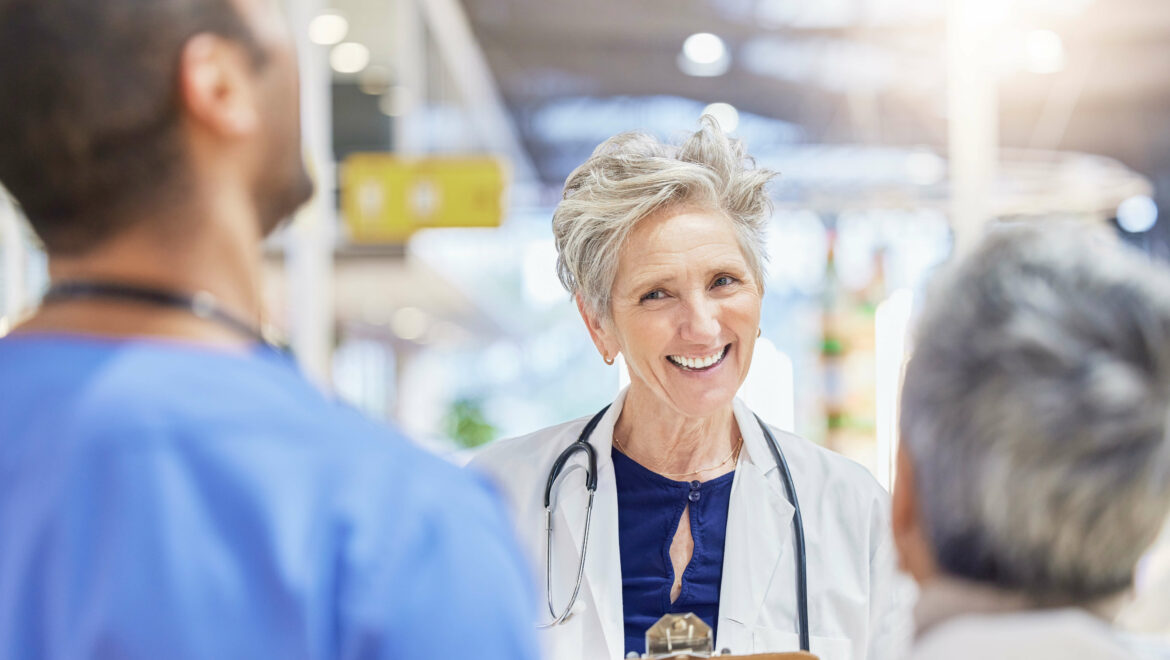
[1137,214]
[725,115]
[328,29]
[349,57]
[704,54]
[704,48]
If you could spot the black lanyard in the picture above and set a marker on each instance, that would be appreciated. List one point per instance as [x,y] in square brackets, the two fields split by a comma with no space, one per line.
[200,304]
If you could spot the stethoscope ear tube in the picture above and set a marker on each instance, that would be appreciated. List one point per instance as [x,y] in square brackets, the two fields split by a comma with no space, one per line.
[798,524]
[582,444]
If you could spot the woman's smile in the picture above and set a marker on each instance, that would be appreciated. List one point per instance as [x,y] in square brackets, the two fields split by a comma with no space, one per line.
[702,362]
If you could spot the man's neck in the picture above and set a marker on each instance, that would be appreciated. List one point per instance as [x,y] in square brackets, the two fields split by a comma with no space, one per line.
[216,251]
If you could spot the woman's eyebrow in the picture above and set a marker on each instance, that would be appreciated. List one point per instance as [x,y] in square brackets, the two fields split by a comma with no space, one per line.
[728,267]
[649,282]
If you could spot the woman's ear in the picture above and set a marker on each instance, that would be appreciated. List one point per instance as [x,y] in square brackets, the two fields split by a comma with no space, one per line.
[915,555]
[598,331]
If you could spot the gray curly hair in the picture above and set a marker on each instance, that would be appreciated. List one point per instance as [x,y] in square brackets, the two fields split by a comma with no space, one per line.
[633,175]
[1035,412]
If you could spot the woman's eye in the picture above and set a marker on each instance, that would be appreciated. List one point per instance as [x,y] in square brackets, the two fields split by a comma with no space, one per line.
[723,280]
[657,294]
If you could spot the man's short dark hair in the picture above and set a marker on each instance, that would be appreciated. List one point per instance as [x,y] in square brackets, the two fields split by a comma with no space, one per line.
[89,118]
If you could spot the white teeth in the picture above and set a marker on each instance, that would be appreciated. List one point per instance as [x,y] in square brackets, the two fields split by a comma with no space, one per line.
[697,363]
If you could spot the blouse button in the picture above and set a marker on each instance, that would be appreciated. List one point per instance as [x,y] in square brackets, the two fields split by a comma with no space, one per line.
[695,485]
[694,496]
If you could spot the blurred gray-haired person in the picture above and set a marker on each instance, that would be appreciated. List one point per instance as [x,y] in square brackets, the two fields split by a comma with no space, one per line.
[1034,469]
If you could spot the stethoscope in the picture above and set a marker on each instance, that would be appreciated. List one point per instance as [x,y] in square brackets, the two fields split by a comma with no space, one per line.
[582,445]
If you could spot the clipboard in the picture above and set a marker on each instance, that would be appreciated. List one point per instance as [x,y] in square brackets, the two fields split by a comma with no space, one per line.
[681,636]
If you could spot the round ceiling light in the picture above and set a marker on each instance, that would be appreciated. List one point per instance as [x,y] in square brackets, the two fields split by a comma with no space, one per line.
[328,28]
[704,48]
[1137,214]
[349,57]
[725,115]
[704,54]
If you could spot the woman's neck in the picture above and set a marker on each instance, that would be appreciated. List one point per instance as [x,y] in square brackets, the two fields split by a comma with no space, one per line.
[655,435]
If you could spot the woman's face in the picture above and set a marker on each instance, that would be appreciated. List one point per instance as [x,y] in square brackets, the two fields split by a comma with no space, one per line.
[685,310]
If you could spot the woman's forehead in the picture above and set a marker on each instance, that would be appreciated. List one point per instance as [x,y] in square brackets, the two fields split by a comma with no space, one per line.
[683,241]
[679,228]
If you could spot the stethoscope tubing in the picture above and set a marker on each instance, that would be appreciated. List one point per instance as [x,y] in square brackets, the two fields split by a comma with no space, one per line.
[582,445]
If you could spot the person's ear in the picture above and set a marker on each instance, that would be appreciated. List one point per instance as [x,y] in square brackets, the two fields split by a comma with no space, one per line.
[599,331]
[217,87]
[915,555]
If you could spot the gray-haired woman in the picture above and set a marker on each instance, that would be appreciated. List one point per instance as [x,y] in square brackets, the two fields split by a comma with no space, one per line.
[662,248]
[1035,465]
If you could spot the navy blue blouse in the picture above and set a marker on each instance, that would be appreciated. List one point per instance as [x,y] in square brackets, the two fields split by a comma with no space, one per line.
[650,507]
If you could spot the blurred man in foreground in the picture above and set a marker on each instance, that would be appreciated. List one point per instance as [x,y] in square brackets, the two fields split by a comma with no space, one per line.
[170,486]
[1035,464]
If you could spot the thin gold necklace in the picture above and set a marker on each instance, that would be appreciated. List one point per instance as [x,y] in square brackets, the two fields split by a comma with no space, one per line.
[675,475]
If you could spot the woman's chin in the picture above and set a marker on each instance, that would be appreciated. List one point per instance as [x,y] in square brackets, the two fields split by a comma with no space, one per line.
[702,399]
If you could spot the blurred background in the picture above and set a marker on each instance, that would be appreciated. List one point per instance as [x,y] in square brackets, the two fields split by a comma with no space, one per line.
[419,284]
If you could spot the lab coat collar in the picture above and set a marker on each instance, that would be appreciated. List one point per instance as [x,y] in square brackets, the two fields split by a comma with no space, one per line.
[603,576]
[759,527]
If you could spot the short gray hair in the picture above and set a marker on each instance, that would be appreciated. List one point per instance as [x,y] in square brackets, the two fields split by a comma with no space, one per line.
[1035,411]
[633,175]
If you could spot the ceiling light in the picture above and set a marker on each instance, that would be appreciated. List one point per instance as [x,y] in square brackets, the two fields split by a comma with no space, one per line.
[328,28]
[349,57]
[704,48]
[1044,52]
[1137,214]
[725,115]
[704,54]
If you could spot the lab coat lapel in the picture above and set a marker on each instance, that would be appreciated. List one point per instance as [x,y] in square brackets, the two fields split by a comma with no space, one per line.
[759,528]
[603,574]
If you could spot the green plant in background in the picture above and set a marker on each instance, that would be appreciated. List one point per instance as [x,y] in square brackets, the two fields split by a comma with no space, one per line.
[466,425]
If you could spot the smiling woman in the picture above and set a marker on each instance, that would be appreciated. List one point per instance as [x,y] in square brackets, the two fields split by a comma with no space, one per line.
[685,312]
[662,248]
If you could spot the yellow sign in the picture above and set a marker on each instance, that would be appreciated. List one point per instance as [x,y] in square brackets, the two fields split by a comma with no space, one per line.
[386,198]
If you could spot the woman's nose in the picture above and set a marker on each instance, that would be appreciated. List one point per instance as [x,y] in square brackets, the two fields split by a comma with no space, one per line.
[701,323]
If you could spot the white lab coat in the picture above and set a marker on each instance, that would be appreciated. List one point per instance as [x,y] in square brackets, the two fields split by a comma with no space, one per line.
[857,610]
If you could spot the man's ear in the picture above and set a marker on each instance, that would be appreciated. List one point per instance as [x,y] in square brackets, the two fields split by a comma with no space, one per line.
[598,331]
[217,86]
[915,555]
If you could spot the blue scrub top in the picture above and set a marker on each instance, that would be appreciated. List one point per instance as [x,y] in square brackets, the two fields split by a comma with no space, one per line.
[164,500]
[650,507]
